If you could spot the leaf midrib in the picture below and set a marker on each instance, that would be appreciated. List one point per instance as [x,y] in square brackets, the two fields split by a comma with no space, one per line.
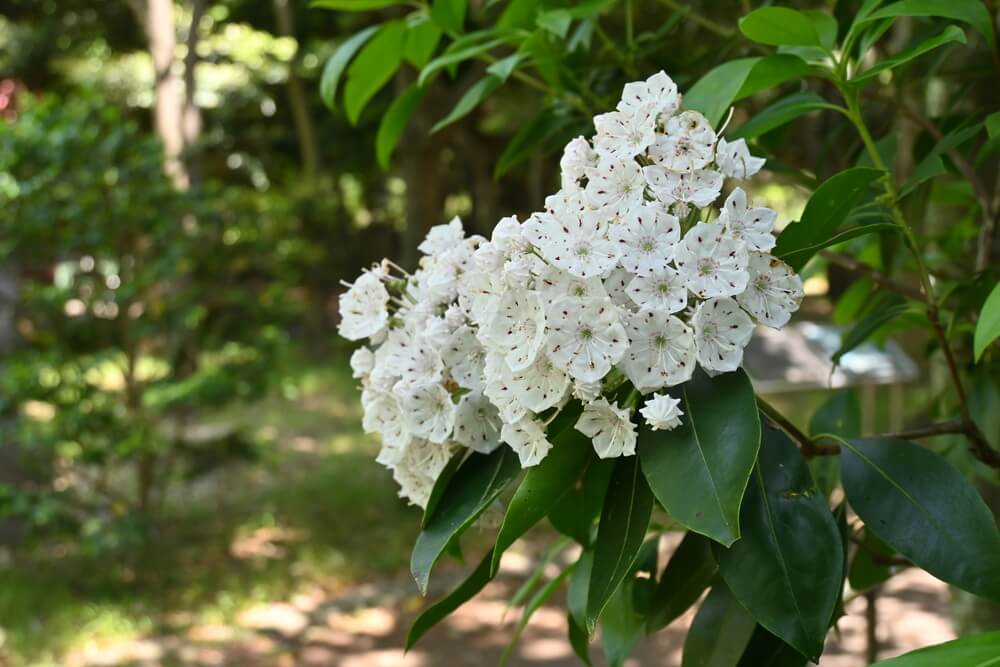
[708,469]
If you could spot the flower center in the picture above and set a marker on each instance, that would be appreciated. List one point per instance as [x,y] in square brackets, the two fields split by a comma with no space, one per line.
[707,266]
[586,333]
[648,245]
[660,340]
[582,250]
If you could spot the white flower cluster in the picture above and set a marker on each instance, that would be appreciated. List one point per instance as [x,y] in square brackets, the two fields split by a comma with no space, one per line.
[626,282]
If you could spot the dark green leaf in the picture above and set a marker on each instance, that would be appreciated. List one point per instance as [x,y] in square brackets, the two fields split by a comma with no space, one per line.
[779,26]
[841,237]
[440,610]
[951,34]
[338,61]
[771,71]
[688,573]
[620,534]
[865,571]
[787,570]
[825,211]
[719,632]
[840,415]
[713,93]
[353,5]
[440,484]
[390,130]
[527,140]
[519,14]
[449,14]
[579,640]
[373,67]
[453,56]
[888,309]
[576,606]
[972,12]
[925,509]
[469,101]
[988,326]
[543,487]
[981,650]
[621,625]
[993,125]
[781,112]
[575,514]
[700,469]
[477,484]
[766,650]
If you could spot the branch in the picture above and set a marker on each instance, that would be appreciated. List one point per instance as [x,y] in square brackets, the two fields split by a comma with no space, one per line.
[807,445]
[876,276]
[878,557]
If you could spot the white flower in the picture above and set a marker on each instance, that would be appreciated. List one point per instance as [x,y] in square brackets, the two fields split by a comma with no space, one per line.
[418,362]
[541,385]
[616,287]
[665,291]
[693,124]
[441,238]
[506,242]
[554,284]
[383,415]
[586,337]
[609,427]
[429,411]
[576,159]
[700,187]
[464,357]
[363,310]
[658,91]
[583,249]
[477,423]
[721,331]
[646,237]
[518,327]
[662,351]
[499,388]
[615,187]
[752,226]
[527,438]
[479,294]
[774,291]
[362,362]
[587,391]
[418,469]
[712,263]
[662,412]
[688,145]
[624,135]
[734,159]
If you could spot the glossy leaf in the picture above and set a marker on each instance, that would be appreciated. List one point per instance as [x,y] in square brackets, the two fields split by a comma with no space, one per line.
[925,509]
[982,650]
[713,93]
[841,237]
[440,610]
[393,124]
[772,71]
[719,632]
[700,469]
[576,606]
[544,485]
[766,650]
[972,12]
[440,484]
[335,66]
[787,569]
[469,101]
[865,570]
[988,326]
[576,513]
[825,211]
[782,112]
[627,509]
[779,26]
[840,415]
[421,40]
[622,626]
[950,34]
[477,484]
[373,67]
[688,573]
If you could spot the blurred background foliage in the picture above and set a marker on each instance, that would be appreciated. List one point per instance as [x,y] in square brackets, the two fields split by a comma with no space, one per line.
[183,186]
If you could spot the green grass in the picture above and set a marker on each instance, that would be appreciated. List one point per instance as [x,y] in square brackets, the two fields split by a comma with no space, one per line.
[316,510]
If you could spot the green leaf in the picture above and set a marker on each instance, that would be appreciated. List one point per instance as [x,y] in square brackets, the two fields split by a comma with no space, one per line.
[781,112]
[576,606]
[534,604]
[620,534]
[766,650]
[700,469]
[688,573]
[889,308]
[825,26]
[925,509]
[951,34]
[478,92]
[440,484]
[772,71]
[932,165]
[477,484]
[519,14]
[449,14]
[864,571]
[373,67]
[453,57]
[353,5]
[993,125]
[779,26]
[555,21]
[988,326]
[787,570]
[972,12]
[981,650]
[528,139]
[713,93]
[719,632]
[338,61]
[393,124]
[621,625]
[543,487]
[575,514]
[421,40]
[579,640]
[440,610]
[841,237]
[825,211]
[503,68]
[840,415]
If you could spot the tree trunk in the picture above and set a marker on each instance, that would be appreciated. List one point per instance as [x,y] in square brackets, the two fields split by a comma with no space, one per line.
[168,88]
[191,115]
[297,99]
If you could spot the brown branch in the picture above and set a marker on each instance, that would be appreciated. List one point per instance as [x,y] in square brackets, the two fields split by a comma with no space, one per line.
[876,276]
[929,431]
[807,445]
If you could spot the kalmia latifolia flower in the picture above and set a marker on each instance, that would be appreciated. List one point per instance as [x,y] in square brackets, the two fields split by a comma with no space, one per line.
[630,277]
